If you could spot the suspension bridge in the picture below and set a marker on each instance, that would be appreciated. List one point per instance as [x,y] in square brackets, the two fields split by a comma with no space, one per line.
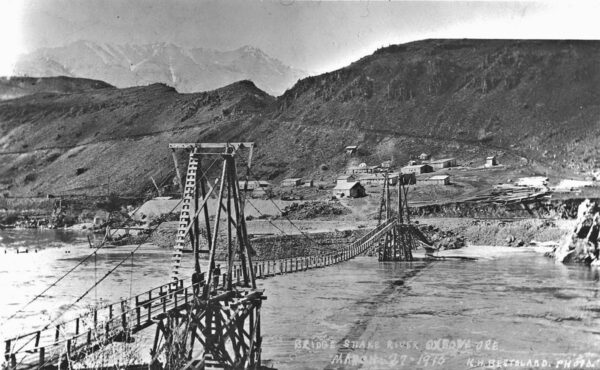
[211,320]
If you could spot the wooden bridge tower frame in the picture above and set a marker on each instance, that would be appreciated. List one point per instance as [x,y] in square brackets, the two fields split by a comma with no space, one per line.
[220,327]
[398,242]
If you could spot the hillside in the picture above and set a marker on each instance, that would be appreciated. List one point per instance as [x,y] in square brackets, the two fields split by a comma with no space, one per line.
[534,103]
[112,139]
[533,99]
[187,69]
[16,87]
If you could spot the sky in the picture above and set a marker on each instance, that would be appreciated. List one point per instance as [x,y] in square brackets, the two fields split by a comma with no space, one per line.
[315,36]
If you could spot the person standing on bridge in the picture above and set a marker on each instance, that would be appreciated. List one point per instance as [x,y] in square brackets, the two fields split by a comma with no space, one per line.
[196,281]
[216,274]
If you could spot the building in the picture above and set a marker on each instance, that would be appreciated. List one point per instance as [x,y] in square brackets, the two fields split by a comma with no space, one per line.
[295,181]
[435,180]
[424,156]
[349,190]
[253,185]
[438,164]
[346,178]
[386,164]
[362,168]
[418,168]
[491,161]
[379,178]
[351,149]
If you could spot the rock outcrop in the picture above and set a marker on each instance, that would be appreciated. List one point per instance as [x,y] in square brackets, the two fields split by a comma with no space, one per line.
[581,245]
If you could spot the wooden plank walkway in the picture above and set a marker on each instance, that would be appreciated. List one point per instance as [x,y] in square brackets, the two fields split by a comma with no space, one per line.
[115,322]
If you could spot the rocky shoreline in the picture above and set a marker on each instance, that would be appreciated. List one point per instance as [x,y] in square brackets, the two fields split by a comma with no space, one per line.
[580,245]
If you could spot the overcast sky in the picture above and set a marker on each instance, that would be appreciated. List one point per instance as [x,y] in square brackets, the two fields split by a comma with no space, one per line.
[315,36]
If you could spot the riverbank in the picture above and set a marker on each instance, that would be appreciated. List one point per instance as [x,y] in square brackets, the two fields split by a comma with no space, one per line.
[305,238]
[484,252]
[503,232]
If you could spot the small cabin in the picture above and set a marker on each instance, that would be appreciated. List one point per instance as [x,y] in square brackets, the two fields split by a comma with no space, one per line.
[438,164]
[491,161]
[251,185]
[435,180]
[349,190]
[296,181]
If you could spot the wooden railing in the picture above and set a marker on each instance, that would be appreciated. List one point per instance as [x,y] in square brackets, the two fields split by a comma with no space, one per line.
[114,322]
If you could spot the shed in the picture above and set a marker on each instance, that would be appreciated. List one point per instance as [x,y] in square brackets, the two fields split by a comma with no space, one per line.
[349,190]
[424,156]
[351,149]
[418,168]
[386,164]
[491,161]
[438,164]
[435,180]
[295,181]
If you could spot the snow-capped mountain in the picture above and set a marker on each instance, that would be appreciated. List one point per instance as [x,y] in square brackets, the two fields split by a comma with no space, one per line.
[188,70]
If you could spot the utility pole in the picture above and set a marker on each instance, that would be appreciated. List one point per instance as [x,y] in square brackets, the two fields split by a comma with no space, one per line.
[400,218]
[387,196]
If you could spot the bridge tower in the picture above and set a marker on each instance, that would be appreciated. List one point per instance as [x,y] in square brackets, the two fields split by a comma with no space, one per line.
[220,327]
[399,241]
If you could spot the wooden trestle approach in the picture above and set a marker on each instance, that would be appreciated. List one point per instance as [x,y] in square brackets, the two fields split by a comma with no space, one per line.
[212,321]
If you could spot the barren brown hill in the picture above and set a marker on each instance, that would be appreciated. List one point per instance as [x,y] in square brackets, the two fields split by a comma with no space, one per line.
[112,139]
[537,100]
[534,103]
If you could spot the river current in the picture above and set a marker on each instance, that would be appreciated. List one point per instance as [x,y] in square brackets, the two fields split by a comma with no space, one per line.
[517,310]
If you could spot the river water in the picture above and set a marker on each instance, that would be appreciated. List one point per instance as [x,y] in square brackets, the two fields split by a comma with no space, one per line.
[510,310]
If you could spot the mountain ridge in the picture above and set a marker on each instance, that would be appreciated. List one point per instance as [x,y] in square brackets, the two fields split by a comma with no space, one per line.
[186,69]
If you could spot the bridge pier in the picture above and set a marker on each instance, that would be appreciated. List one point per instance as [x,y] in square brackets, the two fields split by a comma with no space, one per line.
[221,332]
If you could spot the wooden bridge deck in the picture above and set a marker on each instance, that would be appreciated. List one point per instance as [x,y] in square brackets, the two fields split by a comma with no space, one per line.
[116,322]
